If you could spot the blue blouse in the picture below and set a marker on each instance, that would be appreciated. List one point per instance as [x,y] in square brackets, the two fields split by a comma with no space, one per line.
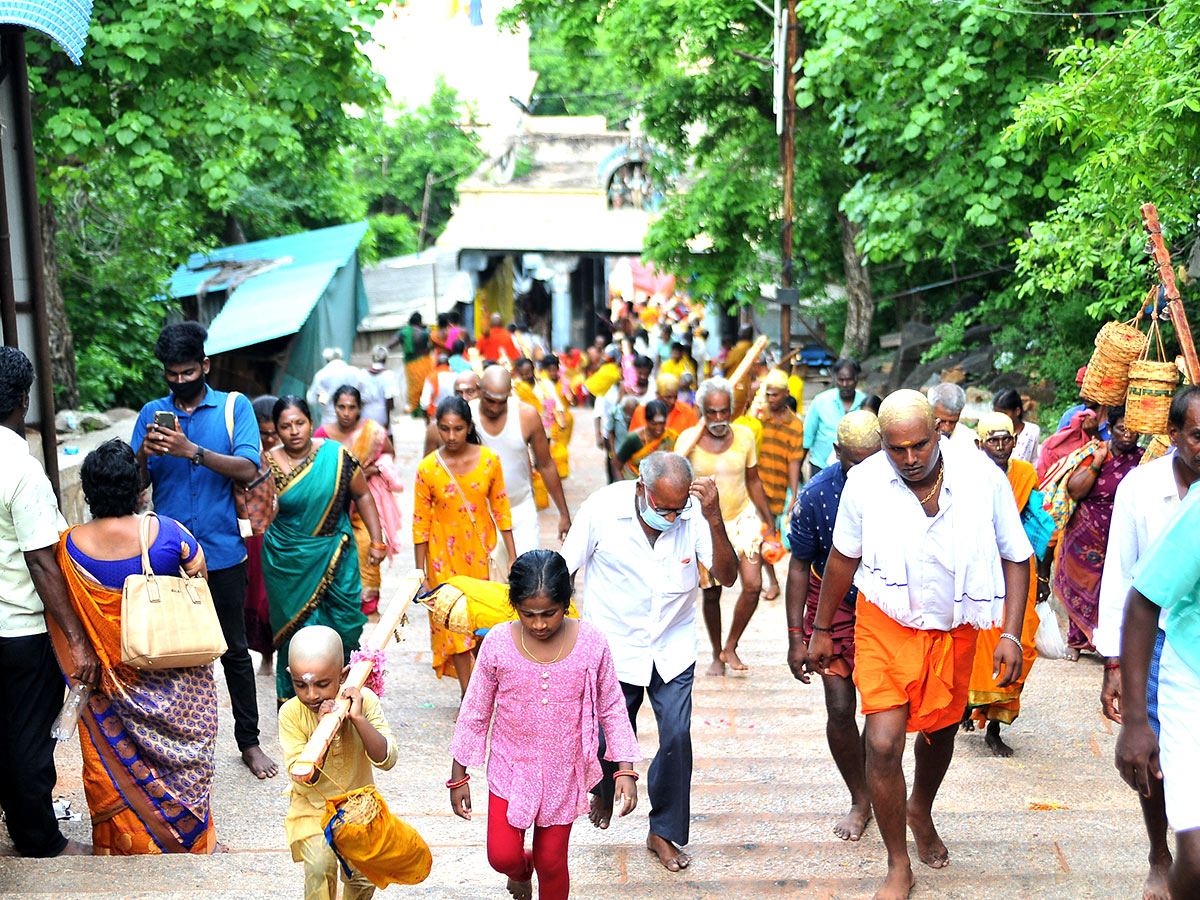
[173,546]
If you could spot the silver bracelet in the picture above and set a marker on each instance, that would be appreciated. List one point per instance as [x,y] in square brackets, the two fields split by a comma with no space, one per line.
[1012,637]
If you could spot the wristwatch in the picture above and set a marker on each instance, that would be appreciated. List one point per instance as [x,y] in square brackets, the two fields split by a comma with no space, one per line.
[198,457]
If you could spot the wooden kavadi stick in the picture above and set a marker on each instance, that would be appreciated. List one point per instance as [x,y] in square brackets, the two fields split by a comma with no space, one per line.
[1166,277]
[304,769]
[739,373]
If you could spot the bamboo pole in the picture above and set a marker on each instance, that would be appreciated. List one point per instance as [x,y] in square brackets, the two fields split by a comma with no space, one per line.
[1166,277]
[739,373]
[304,769]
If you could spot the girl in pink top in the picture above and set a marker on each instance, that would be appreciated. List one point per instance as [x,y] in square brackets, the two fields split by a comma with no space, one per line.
[547,685]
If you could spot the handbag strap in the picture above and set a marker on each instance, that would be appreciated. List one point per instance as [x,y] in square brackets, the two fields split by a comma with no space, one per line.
[462,502]
[144,541]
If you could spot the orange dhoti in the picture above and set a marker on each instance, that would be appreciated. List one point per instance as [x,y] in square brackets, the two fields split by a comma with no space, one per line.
[895,665]
[989,702]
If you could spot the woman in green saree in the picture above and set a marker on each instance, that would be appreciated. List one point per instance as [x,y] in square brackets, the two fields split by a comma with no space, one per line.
[309,560]
[644,441]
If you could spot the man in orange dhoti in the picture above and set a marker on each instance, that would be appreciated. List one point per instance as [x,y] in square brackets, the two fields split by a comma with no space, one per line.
[986,701]
[930,535]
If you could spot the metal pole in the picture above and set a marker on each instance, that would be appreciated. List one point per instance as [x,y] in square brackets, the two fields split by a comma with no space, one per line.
[787,152]
[33,245]
[8,291]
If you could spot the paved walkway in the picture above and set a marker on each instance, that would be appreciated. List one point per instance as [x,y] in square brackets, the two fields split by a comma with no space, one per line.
[765,793]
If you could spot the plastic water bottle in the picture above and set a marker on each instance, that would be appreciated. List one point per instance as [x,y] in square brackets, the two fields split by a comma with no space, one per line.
[64,728]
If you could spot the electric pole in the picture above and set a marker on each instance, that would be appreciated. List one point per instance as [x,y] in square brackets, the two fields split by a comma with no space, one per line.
[787,158]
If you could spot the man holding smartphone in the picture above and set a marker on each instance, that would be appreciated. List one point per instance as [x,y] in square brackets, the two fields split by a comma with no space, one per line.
[186,452]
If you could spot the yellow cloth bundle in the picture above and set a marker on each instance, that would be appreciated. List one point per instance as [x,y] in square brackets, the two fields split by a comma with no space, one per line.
[366,836]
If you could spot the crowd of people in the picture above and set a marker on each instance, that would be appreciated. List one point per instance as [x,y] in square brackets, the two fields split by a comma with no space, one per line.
[920,548]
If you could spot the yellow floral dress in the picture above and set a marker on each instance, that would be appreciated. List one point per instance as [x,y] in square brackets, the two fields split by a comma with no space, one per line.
[459,533]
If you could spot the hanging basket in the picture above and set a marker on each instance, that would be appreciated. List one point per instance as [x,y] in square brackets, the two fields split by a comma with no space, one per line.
[1151,387]
[1107,377]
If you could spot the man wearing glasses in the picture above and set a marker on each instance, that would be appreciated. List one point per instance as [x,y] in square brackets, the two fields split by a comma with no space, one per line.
[727,452]
[642,543]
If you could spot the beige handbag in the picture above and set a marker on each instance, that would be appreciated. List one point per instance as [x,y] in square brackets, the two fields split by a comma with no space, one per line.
[498,555]
[167,621]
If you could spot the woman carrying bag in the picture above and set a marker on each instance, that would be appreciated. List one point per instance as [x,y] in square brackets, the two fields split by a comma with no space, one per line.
[148,751]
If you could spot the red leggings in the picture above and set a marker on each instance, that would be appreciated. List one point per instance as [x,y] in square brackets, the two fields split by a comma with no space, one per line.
[507,854]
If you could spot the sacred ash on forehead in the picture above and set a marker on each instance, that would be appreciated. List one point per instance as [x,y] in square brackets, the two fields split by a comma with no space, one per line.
[992,422]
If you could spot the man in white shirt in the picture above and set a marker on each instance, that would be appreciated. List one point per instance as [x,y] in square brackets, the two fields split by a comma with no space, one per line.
[930,534]
[642,543]
[328,379]
[382,389]
[1146,502]
[31,585]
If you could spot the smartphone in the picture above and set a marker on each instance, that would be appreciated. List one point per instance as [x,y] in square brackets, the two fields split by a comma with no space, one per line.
[166,419]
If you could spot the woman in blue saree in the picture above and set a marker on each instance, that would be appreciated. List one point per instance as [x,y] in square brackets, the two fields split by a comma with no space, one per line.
[309,560]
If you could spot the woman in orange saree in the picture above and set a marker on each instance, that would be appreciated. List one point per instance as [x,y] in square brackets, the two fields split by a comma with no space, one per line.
[147,737]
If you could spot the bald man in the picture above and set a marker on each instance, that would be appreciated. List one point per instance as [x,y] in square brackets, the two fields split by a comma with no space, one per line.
[466,385]
[930,534]
[811,539]
[497,344]
[780,455]
[513,431]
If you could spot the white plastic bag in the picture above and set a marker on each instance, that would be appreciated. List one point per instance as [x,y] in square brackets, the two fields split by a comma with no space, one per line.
[1049,639]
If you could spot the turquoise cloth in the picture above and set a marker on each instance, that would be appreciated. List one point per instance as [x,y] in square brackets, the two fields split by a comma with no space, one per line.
[1168,575]
[821,423]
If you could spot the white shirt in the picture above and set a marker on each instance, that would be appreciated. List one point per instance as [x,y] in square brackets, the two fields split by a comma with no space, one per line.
[641,597]
[607,402]
[328,379]
[380,388]
[938,572]
[29,520]
[1145,504]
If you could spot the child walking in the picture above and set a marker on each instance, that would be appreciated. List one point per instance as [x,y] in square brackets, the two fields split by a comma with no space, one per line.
[365,740]
[547,685]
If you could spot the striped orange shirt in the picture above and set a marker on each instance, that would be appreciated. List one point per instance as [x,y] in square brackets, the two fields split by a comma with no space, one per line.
[782,442]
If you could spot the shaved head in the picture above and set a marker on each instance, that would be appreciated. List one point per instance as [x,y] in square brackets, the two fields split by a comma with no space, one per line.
[496,381]
[466,385]
[315,647]
[904,406]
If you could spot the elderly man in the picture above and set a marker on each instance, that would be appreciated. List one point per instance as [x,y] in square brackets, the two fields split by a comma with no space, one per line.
[1146,501]
[726,451]
[31,685]
[930,535]
[643,542]
[811,537]
[513,430]
[948,401]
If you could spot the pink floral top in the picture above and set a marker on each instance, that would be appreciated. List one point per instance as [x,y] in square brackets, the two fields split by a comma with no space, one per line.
[545,725]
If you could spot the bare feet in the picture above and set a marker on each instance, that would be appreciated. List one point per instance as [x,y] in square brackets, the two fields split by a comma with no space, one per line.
[265,667]
[259,763]
[930,849]
[1073,654]
[854,823]
[994,743]
[772,591]
[729,655]
[600,813]
[521,890]
[672,858]
[74,848]
[1156,882]
[220,848]
[897,885]
[717,667]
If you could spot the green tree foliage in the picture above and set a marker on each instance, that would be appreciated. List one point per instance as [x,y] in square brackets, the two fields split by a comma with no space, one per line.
[589,82]
[197,123]
[1128,113]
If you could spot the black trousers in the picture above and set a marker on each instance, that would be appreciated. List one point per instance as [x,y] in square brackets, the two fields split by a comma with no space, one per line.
[228,588]
[31,695]
[669,784]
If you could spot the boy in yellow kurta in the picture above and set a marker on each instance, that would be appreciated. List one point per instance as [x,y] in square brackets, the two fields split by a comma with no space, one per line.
[364,740]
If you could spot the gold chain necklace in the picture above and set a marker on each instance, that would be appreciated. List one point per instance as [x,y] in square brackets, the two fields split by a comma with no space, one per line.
[937,484]
[561,647]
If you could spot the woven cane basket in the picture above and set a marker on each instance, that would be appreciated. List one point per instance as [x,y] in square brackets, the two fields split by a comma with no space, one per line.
[1148,401]
[448,608]
[1107,377]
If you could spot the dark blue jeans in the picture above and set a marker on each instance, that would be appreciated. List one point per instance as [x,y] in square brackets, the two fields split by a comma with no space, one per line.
[669,784]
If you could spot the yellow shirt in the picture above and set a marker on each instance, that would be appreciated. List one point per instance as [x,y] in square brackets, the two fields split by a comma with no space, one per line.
[728,469]
[602,379]
[754,425]
[346,767]
[796,389]
[670,367]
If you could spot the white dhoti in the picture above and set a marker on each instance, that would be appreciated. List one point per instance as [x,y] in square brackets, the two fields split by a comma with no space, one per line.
[1179,740]
[525,528]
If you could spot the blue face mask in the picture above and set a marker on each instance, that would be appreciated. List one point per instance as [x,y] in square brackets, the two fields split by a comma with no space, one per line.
[652,516]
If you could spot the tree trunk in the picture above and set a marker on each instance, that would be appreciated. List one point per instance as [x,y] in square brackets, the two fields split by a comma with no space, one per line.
[860,304]
[62,342]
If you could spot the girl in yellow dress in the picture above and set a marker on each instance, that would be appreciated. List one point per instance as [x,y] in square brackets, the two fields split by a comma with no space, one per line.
[459,507]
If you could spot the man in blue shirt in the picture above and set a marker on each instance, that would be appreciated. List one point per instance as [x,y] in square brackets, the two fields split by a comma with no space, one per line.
[192,465]
[826,411]
[811,539]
